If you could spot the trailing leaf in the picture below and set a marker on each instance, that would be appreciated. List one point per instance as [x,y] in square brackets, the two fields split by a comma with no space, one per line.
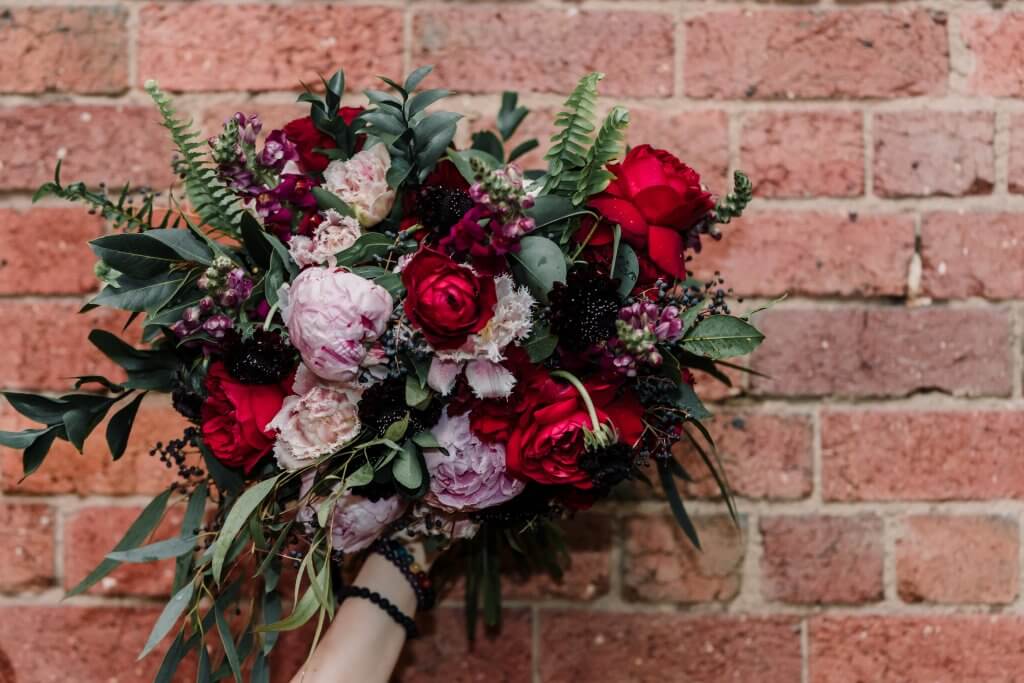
[732,205]
[569,146]
[216,205]
[608,146]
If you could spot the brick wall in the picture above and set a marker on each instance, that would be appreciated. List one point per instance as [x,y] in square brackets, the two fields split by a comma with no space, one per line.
[879,463]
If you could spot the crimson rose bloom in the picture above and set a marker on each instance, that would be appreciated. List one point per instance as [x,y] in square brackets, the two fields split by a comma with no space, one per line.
[656,199]
[235,417]
[307,137]
[546,443]
[446,301]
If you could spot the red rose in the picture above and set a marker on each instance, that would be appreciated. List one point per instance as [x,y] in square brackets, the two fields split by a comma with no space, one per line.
[446,301]
[547,442]
[235,417]
[492,420]
[656,199]
[307,137]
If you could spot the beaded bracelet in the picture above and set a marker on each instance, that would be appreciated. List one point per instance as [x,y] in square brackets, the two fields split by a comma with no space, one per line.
[398,555]
[400,617]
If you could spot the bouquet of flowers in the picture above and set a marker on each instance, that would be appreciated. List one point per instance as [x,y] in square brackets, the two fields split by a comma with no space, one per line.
[376,334]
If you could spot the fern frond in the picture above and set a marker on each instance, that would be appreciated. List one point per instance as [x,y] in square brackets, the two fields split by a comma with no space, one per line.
[215,204]
[732,205]
[570,145]
[607,147]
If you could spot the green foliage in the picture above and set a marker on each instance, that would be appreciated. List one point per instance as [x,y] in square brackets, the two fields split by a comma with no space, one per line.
[122,211]
[570,145]
[324,113]
[722,336]
[416,139]
[539,264]
[732,205]
[608,146]
[216,205]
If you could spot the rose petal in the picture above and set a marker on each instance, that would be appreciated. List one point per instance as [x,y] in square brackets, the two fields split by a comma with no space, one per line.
[634,227]
[666,249]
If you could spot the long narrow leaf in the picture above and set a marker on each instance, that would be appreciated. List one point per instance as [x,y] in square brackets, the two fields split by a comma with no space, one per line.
[676,503]
[169,617]
[236,519]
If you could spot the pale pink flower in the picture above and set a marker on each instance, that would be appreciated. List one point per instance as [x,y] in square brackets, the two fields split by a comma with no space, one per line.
[318,422]
[335,234]
[357,521]
[466,473]
[333,317]
[361,182]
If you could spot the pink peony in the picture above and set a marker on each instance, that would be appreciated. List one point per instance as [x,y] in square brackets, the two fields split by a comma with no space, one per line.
[317,422]
[332,317]
[358,521]
[361,182]
[471,474]
[335,234]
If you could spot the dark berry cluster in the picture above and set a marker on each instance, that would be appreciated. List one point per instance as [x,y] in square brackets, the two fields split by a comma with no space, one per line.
[176,453]
[608,466]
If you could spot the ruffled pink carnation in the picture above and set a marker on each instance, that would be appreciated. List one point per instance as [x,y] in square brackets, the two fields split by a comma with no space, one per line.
[471,474]
[362,183]
[320,420]
[333,316]
[358,521]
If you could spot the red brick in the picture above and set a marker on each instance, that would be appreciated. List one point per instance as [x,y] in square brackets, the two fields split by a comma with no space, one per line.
[93,472]
[996,61]
[816,54]
[45,251]
[49,644]
[564,45]
[817,253]
[958,559]
[26,532]
[662,565]
[609,647]
[815,560]
[765,456]
[804,154]
[699,138]
[92,532]
[46,343]
[442,655]
[919,455]
[956,264]
[934,153]
[109,144]
[68,49]
[938,649]
[225,47]
[1016,163]
[883,352]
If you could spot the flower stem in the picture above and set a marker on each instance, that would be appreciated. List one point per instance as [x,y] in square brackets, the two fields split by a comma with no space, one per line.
[578,385]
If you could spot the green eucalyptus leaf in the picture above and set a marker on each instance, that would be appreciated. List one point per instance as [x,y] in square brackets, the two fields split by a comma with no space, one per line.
[416,77]
[539,264]
[361,477]
[422,100]
[230,653]
[190,525]
[119,428]
[627,269]
[140,529]
[237,517]
[328,200]
[426,440]
[396,430]
[161,550]
[722,336]
[174,608]
[406,467]
[367,248]
[415,393]
[541,343]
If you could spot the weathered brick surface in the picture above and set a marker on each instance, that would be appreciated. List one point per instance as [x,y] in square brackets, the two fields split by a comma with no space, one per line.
[605,647]
[822,560]
[955,264]
[54,644]
[921,455]
[662,565]
[812,252]
[993,40]
[853,352]
[97,144]
[804,154]
[564,45]
[212,47]
[886,649]
[958,559]
[765,456]
[27,532]
[590,539]
[1016,161]
[848,53]
[699,138]
[69,49]
[922,153]
[44,251]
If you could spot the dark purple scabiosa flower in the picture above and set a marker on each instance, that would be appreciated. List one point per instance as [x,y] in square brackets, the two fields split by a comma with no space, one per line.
[584,308]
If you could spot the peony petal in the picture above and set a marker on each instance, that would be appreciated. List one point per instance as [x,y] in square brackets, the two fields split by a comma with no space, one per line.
[666,249]
[634,227]
[489,380]
[442,375]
